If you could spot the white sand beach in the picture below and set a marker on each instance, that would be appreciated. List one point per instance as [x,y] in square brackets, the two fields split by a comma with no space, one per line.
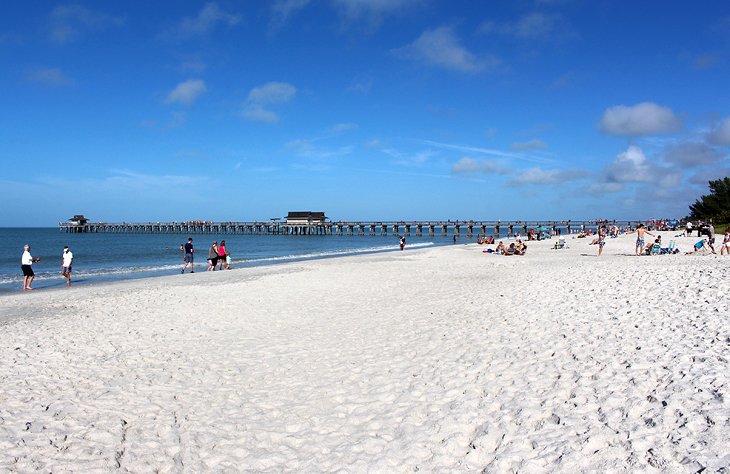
[442,359]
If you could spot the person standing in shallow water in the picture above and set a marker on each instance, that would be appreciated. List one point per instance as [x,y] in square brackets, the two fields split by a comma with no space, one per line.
[188,258]
[26,264]
[222,254]
[213,256]
[402,242]
[66,261]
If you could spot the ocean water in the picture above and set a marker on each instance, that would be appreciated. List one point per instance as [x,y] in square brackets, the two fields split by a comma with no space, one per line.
[104,257]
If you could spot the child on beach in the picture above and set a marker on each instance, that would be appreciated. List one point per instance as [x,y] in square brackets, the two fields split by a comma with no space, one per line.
[601,239]
[228,261]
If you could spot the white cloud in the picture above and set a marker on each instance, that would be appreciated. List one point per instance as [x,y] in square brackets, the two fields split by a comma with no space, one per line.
[604,188]
[530,26]
[721,134]
[531,145]
[372,11]
[68,22]
[630,166]
[692,154]
[269,94]
[440,48]
[282,9]
[408,159]
[537,175]
[208,18]
[645,118]
[468,165]
[308,149]
[272,93]
[340,128]
[488,152]
[49,77]
[257,113]
[186,93]
[669,180]
[127,179]
[706,176]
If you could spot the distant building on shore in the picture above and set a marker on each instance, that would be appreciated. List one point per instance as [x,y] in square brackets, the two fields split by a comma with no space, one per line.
[305,218]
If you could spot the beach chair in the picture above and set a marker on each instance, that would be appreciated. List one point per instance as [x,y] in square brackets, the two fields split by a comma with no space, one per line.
[655,249]
[672,247]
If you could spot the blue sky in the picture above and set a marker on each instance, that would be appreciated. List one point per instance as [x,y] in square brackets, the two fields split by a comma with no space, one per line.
[364,109]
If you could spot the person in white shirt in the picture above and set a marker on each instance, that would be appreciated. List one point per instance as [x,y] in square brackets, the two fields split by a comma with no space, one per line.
[26,264]
[66,262]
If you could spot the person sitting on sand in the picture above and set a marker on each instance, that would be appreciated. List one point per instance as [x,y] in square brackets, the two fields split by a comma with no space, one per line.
[520,246]
[511,250]
[500,248]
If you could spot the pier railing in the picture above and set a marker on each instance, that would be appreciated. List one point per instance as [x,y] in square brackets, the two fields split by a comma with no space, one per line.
[370,228]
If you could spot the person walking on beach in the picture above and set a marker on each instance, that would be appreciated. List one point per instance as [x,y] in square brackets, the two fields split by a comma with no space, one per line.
[402,242]
[601,239]
[711,241]
[26,264]
[640,232]
[222,254]
[66,261]
[188,258]
[213,256]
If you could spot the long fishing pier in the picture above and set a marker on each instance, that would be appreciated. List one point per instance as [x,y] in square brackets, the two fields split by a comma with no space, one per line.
[442,228]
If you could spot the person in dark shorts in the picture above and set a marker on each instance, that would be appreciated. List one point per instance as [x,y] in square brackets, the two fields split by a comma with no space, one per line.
[66,263]
[188,258]
[26,264]
[213,256]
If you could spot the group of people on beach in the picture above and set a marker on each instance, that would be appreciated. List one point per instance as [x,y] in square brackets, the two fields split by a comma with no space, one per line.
[218,256]
[27,261]
[642,248]
[709,243]
[514,248]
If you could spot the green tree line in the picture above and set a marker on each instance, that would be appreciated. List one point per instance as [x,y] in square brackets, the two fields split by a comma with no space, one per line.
[714,206]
